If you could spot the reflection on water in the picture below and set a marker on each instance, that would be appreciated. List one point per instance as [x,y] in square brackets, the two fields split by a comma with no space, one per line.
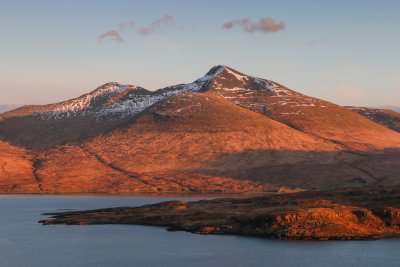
[24,242]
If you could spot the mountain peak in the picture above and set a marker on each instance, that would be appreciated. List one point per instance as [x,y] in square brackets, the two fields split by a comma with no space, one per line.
[218,69]
[213,72]
[225,78]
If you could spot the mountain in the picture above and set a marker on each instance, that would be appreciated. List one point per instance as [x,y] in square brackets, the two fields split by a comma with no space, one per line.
[385,117]
[225,132]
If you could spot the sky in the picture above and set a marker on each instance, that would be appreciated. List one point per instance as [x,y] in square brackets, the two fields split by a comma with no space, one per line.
[346,52]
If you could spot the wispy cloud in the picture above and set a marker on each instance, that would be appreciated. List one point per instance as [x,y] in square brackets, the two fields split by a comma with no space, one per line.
[112,35]
[157,26]
[264,25]
[116,34]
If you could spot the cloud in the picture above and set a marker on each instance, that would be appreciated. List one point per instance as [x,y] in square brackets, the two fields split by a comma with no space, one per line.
[112,35]
[264,25]
[116,35]
[157,26]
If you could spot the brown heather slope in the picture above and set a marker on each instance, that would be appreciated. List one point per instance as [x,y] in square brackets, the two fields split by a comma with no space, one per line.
[16,170]
[168,148]
[385,117]
[171,141]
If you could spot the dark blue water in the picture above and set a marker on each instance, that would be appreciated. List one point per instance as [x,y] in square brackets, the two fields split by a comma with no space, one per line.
[24,242]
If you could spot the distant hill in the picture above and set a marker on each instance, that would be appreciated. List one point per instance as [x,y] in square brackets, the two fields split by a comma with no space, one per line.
[386,117]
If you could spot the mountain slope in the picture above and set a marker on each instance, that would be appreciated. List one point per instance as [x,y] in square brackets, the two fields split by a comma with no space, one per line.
[16,170]
[192,128]
[168,147]
[202,142]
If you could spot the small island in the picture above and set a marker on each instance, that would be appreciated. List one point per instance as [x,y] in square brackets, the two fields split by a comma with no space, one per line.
[341,214]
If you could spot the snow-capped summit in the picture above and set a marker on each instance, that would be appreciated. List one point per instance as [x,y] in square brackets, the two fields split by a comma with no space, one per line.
[113,100]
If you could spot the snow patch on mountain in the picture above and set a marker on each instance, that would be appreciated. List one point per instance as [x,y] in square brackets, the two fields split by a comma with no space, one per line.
[87,100]
[238,76]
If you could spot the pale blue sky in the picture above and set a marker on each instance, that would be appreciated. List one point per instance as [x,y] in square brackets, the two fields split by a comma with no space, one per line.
[343,51]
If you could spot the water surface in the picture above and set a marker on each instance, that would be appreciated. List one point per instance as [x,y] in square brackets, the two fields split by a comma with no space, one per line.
[24,242]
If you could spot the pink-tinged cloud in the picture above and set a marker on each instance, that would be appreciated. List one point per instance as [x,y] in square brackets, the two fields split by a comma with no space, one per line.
[111,36]
[157,26]
[264,25]
[116,35]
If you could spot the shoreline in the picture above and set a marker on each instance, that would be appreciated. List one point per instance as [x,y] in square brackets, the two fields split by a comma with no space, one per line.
[160,195]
